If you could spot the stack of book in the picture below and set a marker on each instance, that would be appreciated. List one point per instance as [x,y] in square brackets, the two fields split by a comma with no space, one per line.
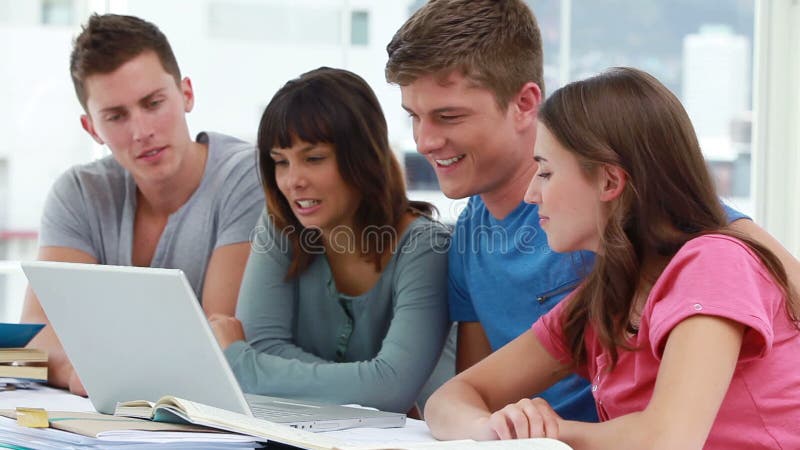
[15,360]
[76,430]
[23,363]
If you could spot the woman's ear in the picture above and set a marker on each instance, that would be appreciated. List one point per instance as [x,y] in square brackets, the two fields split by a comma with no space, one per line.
[612,182]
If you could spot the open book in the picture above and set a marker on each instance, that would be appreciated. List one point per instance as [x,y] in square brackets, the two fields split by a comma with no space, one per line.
[171,409]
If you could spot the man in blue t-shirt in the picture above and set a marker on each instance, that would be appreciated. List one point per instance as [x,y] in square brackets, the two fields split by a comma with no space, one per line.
[470,74]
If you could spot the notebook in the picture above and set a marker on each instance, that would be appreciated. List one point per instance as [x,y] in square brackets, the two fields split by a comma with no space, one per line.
[139,333]
[18,334]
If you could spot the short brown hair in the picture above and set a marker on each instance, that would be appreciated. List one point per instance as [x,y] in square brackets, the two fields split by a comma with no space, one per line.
[110,40]
[337,107]
[495,43]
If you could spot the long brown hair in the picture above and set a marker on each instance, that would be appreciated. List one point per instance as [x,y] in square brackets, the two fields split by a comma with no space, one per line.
[626,118]
[337,107]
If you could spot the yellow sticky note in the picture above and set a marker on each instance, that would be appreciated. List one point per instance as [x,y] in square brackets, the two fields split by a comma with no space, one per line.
[32,417]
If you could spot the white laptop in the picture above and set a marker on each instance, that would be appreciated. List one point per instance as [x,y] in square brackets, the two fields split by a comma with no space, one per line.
[136,333]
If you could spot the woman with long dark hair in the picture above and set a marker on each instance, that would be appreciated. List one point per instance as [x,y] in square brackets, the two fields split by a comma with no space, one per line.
[344,295]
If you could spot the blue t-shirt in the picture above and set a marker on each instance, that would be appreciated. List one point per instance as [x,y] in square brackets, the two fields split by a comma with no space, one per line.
[503,274]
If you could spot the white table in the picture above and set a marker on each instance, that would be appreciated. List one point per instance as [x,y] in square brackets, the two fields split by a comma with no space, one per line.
[59,400]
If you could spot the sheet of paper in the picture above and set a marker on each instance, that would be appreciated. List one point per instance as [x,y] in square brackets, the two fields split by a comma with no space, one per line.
[51,438]
[170,437]
[40,396]
[44,435]
[414,431]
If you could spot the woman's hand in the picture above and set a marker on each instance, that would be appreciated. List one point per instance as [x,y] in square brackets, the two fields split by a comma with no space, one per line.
[463,407]
[527,418]
[227,329]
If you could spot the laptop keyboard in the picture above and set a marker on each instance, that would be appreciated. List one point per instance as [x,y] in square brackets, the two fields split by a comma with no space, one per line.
[267,413]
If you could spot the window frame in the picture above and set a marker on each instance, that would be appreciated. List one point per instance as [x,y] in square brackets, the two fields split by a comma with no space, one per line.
[776,128]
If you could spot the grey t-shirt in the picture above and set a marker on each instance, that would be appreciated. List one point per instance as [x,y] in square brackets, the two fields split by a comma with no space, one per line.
[306,340]
[91,208]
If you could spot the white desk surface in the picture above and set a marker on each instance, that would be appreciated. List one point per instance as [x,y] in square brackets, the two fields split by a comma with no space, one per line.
[415,431]
[60,400]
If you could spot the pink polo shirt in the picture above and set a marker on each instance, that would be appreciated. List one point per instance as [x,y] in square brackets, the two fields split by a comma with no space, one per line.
[719,276]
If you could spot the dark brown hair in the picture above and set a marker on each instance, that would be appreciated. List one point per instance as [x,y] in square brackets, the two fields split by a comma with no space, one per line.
[337,107]
[495,43]
[108,41]
[626,118]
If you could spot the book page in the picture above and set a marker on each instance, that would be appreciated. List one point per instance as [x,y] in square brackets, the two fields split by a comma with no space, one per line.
[38,373]
[94,424]
[22,354]
[141,409]
[222,419]
[79,431]
[136,404]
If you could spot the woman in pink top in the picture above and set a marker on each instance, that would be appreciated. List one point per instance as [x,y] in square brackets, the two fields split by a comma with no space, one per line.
[687,330]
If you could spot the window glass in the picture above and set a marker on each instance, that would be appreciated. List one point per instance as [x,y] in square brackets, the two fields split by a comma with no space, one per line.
[57,12]
[239,52]
[279,23]
[359,28]
[701,50]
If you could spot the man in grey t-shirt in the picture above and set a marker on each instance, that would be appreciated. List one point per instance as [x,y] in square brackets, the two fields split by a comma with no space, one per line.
[161,199]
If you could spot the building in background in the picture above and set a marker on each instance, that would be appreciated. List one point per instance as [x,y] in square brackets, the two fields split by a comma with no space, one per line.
[717,96]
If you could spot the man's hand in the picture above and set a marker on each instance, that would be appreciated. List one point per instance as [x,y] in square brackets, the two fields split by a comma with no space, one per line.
[227,329]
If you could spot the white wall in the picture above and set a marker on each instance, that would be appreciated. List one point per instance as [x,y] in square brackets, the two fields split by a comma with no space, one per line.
[253,69]
[42,137]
